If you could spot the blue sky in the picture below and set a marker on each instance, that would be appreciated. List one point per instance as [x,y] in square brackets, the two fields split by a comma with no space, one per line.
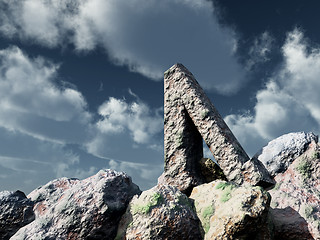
[81,83]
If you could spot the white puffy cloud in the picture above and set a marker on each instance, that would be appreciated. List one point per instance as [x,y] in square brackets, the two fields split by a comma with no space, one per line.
[148,36]
[32,103]
[130,137]
[137,118]
[38,118]
[290,100]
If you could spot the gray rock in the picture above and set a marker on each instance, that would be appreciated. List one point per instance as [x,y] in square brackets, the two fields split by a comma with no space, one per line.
[295,205]
[227,211]
[190,116]
[15,212]
[280,152]
[73,209]
[162,212]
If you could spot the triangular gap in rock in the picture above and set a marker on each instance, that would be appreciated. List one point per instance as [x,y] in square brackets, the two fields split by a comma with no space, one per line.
[207,153]
[210,169]
[198,153]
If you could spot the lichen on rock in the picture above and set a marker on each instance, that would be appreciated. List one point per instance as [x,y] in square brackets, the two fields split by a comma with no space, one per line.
[162,212]
[228,211]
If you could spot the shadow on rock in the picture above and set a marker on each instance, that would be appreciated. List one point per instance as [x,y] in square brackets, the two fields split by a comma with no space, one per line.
[289,224]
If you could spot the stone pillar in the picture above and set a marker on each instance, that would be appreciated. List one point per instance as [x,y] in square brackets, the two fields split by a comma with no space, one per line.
[190,116]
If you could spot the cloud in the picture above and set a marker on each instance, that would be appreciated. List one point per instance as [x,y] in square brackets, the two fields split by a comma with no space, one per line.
[290,100]
[260,50]
[38,118]
[30,101]
[27,162]
[46,130]
[137,118]
[147,36]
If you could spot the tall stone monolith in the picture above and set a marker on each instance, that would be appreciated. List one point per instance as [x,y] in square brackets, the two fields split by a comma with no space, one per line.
[189,117]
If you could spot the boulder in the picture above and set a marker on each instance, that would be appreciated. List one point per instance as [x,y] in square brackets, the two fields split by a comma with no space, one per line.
[295,205]
[80,209]
[228,211]
[15,212]
[279,153]
[162,212]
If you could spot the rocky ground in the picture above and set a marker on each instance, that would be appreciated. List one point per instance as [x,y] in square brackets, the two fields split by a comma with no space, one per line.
[109,206]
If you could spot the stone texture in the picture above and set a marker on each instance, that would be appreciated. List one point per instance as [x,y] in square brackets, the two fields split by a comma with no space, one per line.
[227,211]
[73,209]
[280,152]
[162,212]
[296,197]
[189,116]
[15,212]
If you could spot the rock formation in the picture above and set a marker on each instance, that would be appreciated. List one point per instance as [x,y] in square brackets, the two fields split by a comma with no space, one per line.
[15,212]
[73,209]
[190,116]
[109,206]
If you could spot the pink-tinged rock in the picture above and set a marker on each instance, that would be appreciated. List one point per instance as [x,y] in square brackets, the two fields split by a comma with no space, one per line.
[15,212]
[80,209]
[295,205]
[189,117]
[162,212]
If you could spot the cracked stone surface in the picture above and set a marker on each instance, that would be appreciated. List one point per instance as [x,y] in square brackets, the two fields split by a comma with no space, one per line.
[189,117]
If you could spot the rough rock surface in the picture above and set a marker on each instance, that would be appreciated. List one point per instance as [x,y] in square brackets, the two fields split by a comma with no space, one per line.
[280,152]
[162,212]
[189,116]
[15,212]
[227,211]
[73,209]
[210,170]
[295,205]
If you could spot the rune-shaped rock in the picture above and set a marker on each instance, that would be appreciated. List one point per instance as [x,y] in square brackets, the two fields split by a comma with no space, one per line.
[189,117]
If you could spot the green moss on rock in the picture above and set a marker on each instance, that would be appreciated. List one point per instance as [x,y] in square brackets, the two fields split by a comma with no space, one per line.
[227,189]
[304,168]
[144,209]
[206,215]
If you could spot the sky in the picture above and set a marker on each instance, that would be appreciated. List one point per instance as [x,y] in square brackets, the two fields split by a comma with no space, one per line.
[81,81]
